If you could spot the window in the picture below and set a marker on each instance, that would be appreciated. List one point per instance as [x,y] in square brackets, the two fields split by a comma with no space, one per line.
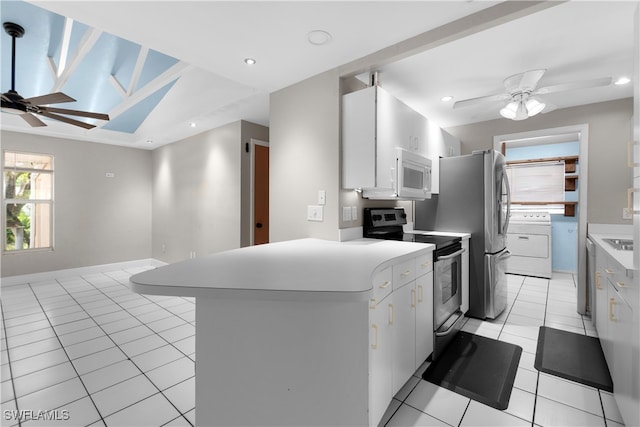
[28,201]
[537,183]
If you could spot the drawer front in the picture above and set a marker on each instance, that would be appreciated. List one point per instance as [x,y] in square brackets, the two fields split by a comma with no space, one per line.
[382,283]
[617,276]
[404,273]
[529,245]
[424,264]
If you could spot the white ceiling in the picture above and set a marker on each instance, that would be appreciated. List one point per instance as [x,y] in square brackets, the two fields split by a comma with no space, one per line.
[573,41]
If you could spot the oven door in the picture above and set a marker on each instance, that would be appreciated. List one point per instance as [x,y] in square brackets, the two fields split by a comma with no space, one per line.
[447,286]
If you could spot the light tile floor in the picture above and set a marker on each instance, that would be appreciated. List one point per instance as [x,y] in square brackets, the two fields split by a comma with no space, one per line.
[537,399]
[89,352]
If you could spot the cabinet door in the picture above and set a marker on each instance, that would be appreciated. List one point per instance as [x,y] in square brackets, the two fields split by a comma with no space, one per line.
[621,364]
[601,303]
[424,318]
[379,359]
[403,335]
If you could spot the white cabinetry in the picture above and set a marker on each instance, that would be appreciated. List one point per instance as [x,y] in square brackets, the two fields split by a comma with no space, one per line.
[614,311]
[401,329]
[374,123]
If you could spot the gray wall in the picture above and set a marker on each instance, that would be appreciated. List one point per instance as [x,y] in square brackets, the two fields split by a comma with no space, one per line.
[97,220]
[198,192]
[304,157]
[609,133]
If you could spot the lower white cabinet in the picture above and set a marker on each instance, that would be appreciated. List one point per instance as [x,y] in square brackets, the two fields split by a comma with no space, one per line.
[403,335]
[424,318]
[614,322]
[400,332]
[379,358]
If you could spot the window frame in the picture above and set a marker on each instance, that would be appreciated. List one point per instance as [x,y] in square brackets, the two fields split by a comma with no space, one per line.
[49,202]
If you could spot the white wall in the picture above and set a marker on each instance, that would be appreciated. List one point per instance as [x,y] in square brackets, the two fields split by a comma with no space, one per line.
[196,195]
[304,157]
[97,220]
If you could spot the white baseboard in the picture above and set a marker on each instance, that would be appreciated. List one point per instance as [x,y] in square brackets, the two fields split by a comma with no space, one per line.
[80,271]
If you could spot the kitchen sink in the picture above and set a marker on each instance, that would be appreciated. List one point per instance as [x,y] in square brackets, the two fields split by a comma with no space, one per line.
[621,244]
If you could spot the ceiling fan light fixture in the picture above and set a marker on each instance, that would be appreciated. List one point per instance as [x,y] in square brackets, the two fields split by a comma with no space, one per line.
[510,110]
[534,106]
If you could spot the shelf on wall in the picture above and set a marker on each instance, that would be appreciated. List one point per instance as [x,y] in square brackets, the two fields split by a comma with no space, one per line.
[569,207]
[570,182]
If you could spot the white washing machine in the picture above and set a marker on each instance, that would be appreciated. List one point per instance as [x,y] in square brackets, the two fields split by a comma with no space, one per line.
[529,241]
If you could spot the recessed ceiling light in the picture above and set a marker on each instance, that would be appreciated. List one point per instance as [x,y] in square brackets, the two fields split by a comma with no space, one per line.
[622,81]
[446,98]
[249,61]
[192,124]
[318,37]
[149,141]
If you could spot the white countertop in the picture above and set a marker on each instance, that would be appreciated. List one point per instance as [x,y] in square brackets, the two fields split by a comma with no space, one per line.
[318,269]
[598,232]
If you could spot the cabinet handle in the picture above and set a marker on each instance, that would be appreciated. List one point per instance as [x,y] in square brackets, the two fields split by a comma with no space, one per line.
[385,285]
[597,279]
[420,293]
[609,271]
[425,264]
[372,303]
[621,285]
[413,298]
[406,273]
[374,345]
[391,314]
[612,316]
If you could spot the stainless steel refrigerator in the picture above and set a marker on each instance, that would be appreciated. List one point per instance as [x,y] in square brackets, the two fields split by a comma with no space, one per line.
[474,197]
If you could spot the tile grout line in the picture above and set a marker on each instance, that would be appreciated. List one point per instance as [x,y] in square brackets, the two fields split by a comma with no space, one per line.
[13,386]
[129,358]
[70,361]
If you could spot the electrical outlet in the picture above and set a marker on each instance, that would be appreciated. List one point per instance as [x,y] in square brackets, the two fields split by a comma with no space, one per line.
[110,175]
[627,213]
[354,213]
[346,213]
[314,213]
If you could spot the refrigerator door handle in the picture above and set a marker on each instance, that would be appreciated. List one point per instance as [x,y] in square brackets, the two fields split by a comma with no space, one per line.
[506,184]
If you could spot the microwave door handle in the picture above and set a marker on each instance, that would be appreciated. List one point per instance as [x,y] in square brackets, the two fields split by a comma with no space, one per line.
[453,255]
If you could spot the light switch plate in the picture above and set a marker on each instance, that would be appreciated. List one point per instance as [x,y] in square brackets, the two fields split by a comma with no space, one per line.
[354,213]
[322,197]
[314,213]
[346,213]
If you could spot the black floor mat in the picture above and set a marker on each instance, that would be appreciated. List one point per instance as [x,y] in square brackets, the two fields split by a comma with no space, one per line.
[572,356]
[480,368]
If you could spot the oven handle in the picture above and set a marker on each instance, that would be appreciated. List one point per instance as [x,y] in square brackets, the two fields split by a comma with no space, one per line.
[452,327]
[453,255]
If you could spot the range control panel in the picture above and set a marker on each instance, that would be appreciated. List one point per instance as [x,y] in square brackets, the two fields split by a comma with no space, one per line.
[384,217]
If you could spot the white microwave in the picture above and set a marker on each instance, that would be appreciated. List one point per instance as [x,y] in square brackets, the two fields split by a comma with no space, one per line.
[410,178]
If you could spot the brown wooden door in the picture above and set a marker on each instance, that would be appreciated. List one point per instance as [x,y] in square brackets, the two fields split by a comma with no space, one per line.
[261,195]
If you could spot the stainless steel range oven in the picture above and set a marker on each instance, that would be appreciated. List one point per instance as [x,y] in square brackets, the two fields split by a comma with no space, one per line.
[387,223]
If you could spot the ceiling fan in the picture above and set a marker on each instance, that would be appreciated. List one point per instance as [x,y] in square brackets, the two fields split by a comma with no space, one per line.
[13,103]
[522,94]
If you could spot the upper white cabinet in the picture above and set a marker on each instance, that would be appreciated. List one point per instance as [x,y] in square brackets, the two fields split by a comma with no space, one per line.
[374,125]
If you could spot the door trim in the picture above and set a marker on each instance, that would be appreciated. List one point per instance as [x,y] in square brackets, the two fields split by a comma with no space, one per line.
[252,143]
[582,131]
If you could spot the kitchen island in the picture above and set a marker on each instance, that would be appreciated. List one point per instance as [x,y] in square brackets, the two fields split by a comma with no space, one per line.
[286,332]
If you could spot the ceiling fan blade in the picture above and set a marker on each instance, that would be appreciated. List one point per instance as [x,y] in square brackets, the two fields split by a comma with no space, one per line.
[52,98]
[66,120]
[585,84]
[88,114]
[32,120]
[526,81]
[481,100]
